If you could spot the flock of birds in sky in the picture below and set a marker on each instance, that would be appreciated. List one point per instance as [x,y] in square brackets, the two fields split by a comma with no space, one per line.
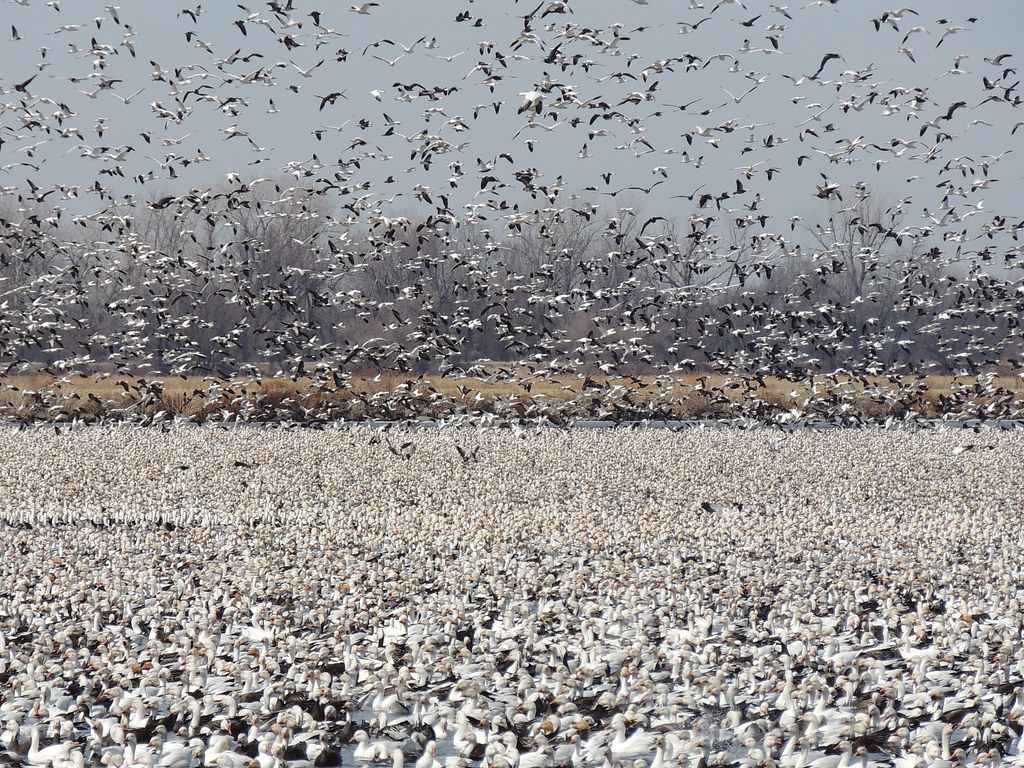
[532,194]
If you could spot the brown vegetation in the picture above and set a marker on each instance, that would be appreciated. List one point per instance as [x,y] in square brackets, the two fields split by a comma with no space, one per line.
[505,393]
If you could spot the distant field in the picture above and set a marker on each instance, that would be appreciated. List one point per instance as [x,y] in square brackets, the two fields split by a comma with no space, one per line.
[39,397]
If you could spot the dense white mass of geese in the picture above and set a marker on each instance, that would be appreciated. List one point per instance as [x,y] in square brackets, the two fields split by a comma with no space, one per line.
[261,598]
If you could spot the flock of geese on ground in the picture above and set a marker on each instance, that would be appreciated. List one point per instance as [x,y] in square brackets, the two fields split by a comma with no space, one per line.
[607,599]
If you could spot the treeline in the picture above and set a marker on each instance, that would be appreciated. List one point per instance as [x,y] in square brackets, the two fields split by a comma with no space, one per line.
[268,280]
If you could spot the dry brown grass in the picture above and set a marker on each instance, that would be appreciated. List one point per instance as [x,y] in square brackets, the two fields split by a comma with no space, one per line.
[41,397]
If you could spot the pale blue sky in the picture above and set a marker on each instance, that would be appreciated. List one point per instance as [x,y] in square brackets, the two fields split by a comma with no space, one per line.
[765,124]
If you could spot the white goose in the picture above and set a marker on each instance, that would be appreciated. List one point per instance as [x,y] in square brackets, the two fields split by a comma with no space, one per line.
[428,759]
[464,738]
[219,753]
[841,760]
[659,755]
[639,743]
[51,754]
[539,758]
[372,751]
[180,755]
[264,756]
[571,752]
[389,700]
[75,760]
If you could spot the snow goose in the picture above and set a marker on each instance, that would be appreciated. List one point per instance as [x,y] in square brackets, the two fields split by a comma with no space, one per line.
[464,739]
[638,743]
[180,755]
[842,760]
[428,759]
[11,738]
[659,754]
[49,754]
[367,750]
[570,753]
[75,760]
[388,700]
[538,758]
[219,753]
